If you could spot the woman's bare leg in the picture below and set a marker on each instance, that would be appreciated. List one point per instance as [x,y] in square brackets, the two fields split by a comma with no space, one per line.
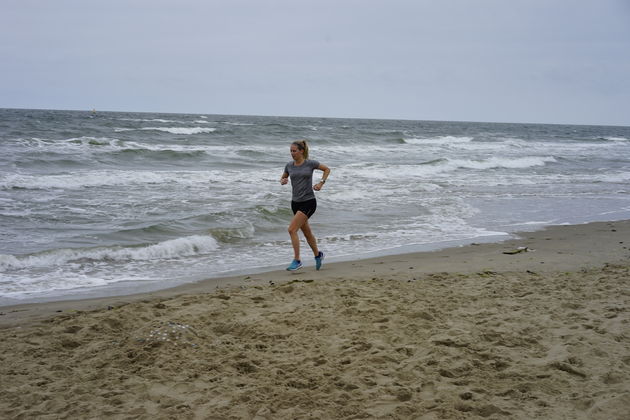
[310,238]
[296,224]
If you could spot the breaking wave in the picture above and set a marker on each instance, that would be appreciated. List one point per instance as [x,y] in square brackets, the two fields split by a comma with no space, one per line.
[442,140]
[173,248]
[172,130]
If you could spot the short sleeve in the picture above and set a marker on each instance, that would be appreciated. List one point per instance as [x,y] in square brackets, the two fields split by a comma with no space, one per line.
[314,164]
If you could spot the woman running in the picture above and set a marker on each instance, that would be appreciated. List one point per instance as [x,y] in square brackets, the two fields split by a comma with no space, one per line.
[303,202]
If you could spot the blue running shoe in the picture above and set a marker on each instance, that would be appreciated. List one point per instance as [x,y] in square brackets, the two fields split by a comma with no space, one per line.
[295,265]
[318,260]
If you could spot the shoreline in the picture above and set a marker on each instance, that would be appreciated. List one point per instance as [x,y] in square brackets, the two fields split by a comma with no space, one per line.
[139,288]
[554,248]
[470,332]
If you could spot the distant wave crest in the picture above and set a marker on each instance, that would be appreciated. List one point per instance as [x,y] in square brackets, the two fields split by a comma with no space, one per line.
[183,130]
[79,180]
[443,165]
[494,162]
[172,130]
[441,140]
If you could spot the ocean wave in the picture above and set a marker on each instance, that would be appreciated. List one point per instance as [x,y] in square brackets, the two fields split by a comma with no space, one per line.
[237,123]
[229,235]
[160,120]
[93,145]
[445,164]
[497,162]
[164,154]
[384,172]
[63,145]
[172,130]
[621,177]
[91,141]
[614,138]
[80,180]
[182,130]
[132,145]
[351,237]
[345,195]
[441,140]
[173,248]
[273,213]
[91,179]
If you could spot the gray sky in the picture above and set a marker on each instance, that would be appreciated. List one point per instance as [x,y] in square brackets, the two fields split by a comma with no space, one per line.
[549,61]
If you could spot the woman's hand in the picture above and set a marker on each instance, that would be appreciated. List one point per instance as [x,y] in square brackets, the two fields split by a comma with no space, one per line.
[321,183]
[283,181]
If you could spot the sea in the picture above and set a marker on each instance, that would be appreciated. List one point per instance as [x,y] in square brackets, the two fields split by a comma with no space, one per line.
[109,203]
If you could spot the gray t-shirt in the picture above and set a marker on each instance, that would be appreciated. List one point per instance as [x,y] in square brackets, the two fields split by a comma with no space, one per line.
[302,179]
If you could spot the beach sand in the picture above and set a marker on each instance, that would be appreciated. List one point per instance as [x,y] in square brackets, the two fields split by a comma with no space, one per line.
[467,332]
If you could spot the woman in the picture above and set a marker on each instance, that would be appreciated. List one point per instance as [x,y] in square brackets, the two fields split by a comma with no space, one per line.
[303,202]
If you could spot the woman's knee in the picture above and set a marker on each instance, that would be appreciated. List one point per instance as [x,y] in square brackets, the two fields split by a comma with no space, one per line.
[298,222]
[293,228]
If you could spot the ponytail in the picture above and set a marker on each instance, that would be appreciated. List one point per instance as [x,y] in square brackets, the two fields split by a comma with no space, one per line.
[301,144]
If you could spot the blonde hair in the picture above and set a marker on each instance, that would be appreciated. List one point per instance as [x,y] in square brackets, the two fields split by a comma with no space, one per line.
[303,146]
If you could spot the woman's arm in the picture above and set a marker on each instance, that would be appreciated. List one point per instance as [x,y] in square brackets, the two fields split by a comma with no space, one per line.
[321,183]
[284,178]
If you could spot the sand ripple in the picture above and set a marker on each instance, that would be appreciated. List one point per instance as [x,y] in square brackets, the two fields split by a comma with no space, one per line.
[446,345]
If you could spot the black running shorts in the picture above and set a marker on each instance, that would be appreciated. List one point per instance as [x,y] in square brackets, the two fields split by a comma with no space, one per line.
[307,207]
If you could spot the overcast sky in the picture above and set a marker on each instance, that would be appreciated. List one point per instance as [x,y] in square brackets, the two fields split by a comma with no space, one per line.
[549,61]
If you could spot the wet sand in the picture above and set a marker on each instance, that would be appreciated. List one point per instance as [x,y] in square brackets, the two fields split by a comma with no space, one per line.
[535,327]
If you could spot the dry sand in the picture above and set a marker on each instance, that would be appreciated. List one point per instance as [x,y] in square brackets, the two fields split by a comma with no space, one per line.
[467,332]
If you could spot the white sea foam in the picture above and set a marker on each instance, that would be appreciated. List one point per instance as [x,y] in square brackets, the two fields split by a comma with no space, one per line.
[620,177]
[384,172]
[238,123]
[80,180]
[508,163]
[532,223]
[23,287]
[132,145]
[70,144]
[345,195]
[106,144]
[182,130]
[174,248]
[441,140]
[214,150]
[172,130]
[160,120]
[121,178]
